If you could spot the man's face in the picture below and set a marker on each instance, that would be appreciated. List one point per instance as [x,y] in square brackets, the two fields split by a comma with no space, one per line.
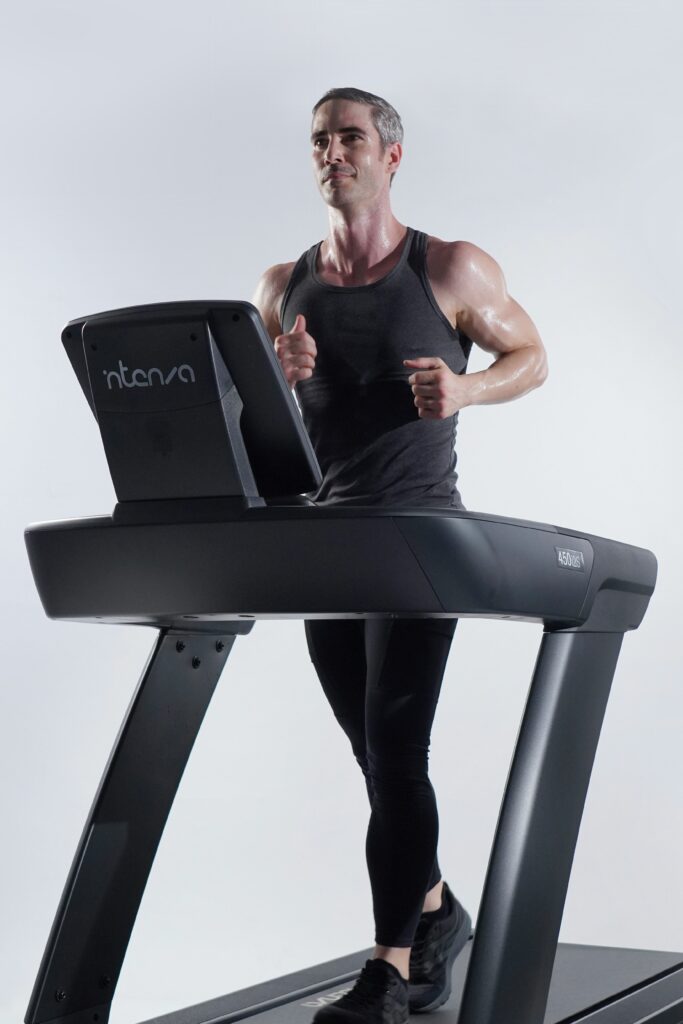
[348,160]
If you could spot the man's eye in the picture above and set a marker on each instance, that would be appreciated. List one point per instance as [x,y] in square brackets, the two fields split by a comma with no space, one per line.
[319,142]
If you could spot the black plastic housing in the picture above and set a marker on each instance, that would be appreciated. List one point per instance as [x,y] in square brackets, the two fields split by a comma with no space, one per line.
[308,561]
[182,447]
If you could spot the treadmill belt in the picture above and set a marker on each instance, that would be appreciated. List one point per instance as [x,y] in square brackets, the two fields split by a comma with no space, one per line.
[596,984]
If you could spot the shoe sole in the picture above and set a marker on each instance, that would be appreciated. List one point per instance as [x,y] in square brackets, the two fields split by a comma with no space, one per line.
[458,946]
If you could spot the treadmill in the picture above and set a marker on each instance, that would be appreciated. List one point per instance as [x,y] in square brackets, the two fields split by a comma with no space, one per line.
[211,531]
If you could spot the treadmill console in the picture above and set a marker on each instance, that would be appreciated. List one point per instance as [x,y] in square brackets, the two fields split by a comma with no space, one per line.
[191,403]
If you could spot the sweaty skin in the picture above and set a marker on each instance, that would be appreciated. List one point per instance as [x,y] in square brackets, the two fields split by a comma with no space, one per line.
[364,242]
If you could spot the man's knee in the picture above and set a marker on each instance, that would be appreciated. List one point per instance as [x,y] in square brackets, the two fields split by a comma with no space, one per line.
[398,767]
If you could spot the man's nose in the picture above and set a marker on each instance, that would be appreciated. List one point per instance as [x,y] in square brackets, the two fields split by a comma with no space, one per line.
[334,151]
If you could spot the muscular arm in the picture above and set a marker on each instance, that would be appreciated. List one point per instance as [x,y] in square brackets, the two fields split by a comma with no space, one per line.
[470,287]
[268,296]
[498,324]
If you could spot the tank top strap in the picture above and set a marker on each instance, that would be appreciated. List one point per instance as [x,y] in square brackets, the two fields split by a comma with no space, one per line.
[418,259]
[418,249]
[311,256]
[410,249]
[418,263]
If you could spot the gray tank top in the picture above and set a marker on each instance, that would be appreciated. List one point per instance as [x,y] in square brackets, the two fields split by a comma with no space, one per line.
[358,407]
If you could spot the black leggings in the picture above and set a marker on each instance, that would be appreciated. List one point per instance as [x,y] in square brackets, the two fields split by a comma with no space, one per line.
[382,678]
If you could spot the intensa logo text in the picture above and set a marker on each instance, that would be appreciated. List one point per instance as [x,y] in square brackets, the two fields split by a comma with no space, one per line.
[153,377]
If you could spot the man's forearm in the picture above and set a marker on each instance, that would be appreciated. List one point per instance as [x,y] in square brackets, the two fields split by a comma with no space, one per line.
[512,375]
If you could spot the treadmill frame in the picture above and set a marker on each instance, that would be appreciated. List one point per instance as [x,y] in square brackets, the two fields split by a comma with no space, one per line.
[528,874]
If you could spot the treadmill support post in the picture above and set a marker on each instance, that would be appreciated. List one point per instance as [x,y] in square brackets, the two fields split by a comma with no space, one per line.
[96,914]
[519,918]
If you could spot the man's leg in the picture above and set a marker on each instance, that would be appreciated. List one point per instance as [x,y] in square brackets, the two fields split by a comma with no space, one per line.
[406,660]
[338,651]
[337,648]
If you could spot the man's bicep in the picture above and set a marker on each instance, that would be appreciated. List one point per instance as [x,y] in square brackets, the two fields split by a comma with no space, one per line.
[264,299]
[487,313]
[500,327]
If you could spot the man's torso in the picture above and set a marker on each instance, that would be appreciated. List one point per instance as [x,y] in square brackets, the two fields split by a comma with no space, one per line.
[358,406]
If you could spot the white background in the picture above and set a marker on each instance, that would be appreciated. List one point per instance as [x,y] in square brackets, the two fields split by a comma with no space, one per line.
[158,150]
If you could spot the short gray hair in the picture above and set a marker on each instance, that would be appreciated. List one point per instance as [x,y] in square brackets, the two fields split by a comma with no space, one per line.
[384,117]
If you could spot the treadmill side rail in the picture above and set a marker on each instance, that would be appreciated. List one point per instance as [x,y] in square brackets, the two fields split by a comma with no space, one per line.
[518,925]
[97,911]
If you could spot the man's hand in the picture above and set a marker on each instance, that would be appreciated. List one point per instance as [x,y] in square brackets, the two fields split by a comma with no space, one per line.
[438,391]
[296,351]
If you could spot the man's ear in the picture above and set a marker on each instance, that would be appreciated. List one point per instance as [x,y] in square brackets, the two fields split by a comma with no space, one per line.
[394,152]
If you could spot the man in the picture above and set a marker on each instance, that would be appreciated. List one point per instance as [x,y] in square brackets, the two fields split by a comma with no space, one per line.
[373,327]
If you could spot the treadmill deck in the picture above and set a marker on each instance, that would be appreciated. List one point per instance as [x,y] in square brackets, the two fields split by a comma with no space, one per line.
[596,984]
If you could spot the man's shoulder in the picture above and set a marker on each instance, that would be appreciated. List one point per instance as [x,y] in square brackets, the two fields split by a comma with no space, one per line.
[269,293]
[454,263]
[275,278]
[451,255]
[273,282]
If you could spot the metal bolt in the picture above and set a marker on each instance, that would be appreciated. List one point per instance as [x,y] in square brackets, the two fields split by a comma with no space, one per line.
[104,981]
[60,995]
[180,646]
[196,662]
[219,645]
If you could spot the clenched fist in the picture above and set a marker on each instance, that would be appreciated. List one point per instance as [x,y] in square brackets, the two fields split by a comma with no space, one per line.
[296,351]
[438,391]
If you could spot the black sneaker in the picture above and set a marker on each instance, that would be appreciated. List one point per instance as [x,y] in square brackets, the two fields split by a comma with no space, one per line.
[379,996]
[435,947]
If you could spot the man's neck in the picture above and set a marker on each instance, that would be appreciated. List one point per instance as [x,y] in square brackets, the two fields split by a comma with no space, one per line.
[359,240]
